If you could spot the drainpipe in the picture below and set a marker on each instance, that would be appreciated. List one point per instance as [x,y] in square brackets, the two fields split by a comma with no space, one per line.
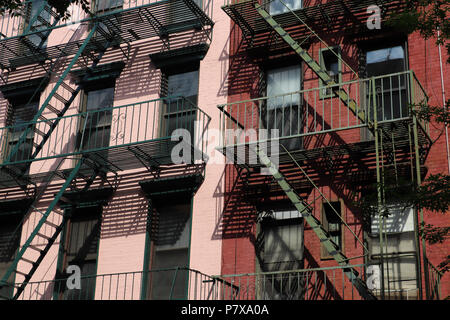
[444,101]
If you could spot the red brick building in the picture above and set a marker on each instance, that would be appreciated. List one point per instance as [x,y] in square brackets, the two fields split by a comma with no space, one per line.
[318,72]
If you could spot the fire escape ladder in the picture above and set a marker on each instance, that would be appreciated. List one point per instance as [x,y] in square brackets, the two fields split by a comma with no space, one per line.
[43,29]
[325,239]
[315,66]
[39,232]
[60,73]
[300,204]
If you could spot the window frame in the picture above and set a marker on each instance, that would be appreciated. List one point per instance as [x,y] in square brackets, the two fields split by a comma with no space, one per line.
[324,255]
[62,262]
[328,92]
[269,10]
[19,228]
[265,119]
[280,222]
[166,114]
[150,241]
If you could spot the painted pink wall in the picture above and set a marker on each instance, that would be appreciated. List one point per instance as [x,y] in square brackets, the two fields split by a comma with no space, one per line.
[122,240]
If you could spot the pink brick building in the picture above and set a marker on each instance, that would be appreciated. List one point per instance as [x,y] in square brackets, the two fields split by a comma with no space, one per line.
[133,161]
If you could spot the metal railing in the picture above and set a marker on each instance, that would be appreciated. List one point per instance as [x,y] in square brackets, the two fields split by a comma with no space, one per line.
[179,283]
[317,110]
[434,281]
[12,25]
[108,128]
[306,284]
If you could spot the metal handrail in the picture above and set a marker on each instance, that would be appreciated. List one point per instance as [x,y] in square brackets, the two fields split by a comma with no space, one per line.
[298,284]
[311,112]
[128,124]
[128,286]
[13,24]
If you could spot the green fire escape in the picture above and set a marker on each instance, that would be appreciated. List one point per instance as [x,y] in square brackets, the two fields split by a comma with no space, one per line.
[94,36]
[260,28]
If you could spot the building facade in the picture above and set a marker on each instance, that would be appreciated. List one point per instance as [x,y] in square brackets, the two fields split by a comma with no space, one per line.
[189,149]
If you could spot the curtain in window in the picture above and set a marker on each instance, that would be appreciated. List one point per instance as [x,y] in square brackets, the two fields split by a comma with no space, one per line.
[276,7]
[282,251]
[283,104]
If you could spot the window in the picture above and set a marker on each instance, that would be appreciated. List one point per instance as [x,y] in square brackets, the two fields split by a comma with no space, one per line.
[330,61]
[391,92]
[283,105]
[281,249]
[96,127]
[332,223]
[82,234]
[10,227]
[277,7]
[169,250]
[399,252]
[40,24]
[103,6]
[22,111]
[180,108]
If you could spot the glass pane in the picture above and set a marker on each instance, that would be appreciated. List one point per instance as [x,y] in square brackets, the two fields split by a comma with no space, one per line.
[283,242]
[283,251]
[105,5]
[171,249]
[87,291]
[277,7]
[100,99]
[181,85]
[399,220]
[82,248]
[282,81]
[169,284]
[9,243]
[385,61]
[98,126]
[184,85]
[35,7]
[283,106]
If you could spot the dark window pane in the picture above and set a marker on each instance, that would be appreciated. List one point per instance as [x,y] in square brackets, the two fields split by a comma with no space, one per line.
[82,249]
[10,232]
[170,252]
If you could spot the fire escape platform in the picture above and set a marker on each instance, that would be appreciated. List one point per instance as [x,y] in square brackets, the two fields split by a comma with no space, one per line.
[134,141]
[330,14]
[354,161]
[128,25]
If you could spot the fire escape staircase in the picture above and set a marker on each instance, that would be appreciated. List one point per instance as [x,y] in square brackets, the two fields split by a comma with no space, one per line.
[59,69]
[300,204]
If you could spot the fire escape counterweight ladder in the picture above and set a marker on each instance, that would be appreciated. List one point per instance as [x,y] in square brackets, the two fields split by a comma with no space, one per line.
[73,174]
[302,207]
[322,234]
[36,232]
[321,73]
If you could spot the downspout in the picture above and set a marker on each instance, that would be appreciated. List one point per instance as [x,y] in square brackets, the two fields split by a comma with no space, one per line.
[443,100]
